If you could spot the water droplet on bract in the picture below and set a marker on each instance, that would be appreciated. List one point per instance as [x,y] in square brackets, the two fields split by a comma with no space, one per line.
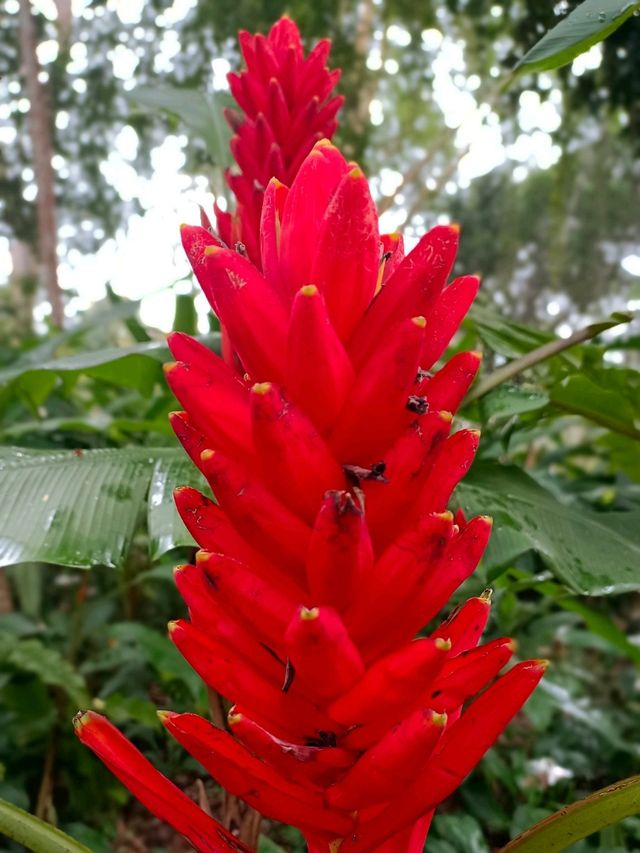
[602,16]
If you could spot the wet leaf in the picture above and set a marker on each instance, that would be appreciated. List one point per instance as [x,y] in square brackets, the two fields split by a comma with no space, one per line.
[592,553]
[592,22]
[166,530]
[73,509]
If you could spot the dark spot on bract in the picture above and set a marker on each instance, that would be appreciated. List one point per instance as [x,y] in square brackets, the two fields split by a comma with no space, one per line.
[417,405]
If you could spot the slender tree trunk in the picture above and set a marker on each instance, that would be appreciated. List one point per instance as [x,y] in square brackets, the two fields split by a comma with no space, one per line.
[41,152]
[23,285]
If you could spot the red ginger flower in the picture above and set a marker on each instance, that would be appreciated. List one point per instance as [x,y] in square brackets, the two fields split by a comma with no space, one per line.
[330,545]
[286,105]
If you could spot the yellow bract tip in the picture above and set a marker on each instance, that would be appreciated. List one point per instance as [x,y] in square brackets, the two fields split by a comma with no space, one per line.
[201,556]
[356,172]
[487,520]
[487,594]
[420,322]
[207,454]
[442,645]
[309,290]
[169,366]
[439,720]
[543,663]
[234,717]
[171,626]
[262,388]
[211,250]
[455,226]
[324,143]
[445,415]
[512,645]
[309,614]
[447,515]
[163,716]
[80,719]
[178,569]
[477,354]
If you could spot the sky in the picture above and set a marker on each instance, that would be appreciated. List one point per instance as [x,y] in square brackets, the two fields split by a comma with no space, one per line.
[144,261]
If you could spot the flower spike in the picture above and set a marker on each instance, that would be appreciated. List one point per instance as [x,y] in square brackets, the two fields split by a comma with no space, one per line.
[328,545]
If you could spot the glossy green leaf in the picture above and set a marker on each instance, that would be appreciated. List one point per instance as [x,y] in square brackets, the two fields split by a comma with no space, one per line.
[579,820]
[609,397]
[200,112]
[71,509]
[509,400]
[35,834]
[592,553]
[82,508]
[166,530]
[503,336]
[591,22]
[138,366]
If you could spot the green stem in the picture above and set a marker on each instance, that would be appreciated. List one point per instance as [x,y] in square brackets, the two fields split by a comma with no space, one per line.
[35,834]
[536,356]
[581,819]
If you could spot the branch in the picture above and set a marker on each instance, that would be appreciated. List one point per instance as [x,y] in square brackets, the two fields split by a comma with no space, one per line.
[41,145]
[548,350]
[447,134]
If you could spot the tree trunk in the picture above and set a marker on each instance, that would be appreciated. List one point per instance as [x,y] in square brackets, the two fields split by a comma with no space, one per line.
[41,152]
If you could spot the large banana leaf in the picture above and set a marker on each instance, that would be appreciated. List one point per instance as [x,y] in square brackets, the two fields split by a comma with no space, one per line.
[82,508]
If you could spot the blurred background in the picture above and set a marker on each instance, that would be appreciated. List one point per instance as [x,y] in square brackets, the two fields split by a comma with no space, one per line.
[542,171]
[111,134]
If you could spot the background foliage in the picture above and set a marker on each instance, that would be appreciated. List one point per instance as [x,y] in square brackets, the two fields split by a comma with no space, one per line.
[88,537]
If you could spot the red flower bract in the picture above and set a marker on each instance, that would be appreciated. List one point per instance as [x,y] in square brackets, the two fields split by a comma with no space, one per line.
[285,105]
[326,439]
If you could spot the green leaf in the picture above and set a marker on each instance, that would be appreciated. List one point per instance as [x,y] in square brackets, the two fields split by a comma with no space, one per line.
[592,553]
[166,530]
[200,112]
[45,663]
[601,399]
[592,22]
[581,819]
[71,509]
[34,833]
[138,366]
[598,622]
[503,336]
[509,400]
[82,509]
[186,317]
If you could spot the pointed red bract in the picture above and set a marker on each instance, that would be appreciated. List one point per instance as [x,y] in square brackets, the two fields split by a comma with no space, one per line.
[319,372]
[322,653]
[152,788]
[340,554]
[286,104]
